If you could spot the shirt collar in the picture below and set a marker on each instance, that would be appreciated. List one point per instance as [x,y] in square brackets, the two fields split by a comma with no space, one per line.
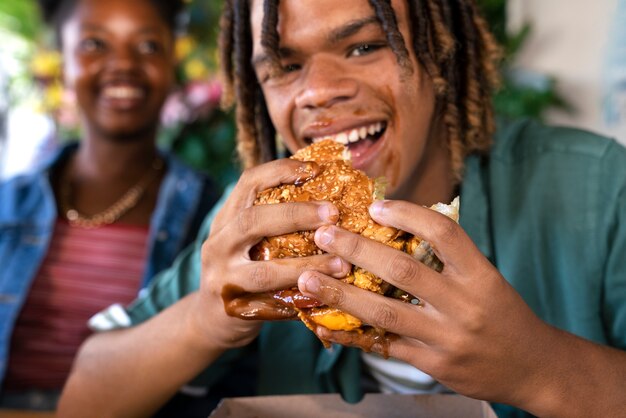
[474,212]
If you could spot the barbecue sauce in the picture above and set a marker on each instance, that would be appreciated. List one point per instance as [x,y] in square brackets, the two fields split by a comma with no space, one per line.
[254,306]
[371,339]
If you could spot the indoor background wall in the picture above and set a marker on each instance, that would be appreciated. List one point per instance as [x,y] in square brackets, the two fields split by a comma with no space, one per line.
[569,39]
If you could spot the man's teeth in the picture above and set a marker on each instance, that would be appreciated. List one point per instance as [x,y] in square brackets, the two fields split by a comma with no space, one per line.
[353,135]
[123,93]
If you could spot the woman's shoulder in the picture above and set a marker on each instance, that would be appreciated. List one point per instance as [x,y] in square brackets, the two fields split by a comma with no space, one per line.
[21,195]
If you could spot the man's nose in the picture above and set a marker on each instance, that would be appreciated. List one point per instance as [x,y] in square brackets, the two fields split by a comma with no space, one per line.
[325,84]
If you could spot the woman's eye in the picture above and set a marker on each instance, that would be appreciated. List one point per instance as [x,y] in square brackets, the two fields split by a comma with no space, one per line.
[364,49]
[92,45]
[149,47]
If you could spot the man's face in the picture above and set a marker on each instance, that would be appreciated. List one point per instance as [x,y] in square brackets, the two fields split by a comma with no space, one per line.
[118,59]
[343,81]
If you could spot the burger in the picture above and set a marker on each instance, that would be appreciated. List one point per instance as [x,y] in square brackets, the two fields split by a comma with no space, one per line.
[352,192]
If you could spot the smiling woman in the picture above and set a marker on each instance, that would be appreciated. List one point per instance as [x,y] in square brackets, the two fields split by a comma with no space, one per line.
[111,210]
[121,71]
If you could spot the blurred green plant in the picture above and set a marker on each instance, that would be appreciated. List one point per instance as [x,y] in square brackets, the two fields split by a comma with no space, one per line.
[194,126]
[199,132]
[20,26]
[20,17]
[523,93]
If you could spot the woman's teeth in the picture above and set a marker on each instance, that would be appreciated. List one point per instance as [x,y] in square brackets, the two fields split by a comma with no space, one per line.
[353,135]
[123,93]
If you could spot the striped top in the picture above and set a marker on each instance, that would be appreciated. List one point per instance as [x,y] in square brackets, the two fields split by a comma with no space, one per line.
[84,271]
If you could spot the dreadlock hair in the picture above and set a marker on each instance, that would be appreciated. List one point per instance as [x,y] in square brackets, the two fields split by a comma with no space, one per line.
[449,38]
[56,12]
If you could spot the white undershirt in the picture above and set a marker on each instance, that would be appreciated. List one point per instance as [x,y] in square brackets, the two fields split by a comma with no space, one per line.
[395,376]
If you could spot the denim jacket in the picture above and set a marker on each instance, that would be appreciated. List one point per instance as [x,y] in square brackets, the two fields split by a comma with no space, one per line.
[28,215]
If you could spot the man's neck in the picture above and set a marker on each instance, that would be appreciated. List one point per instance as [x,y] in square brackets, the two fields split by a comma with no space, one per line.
[432,181]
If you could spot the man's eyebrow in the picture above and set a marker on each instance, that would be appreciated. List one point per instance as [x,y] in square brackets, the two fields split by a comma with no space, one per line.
[335,36]
[351,28]
[264,58]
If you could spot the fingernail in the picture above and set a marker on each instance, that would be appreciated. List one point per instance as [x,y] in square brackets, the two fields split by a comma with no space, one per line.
[305,173]
[377,208]
[339,266]
[308,282]
[324,236]
[328,213]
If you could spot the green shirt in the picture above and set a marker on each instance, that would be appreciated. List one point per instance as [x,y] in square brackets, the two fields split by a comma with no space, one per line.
[547,207]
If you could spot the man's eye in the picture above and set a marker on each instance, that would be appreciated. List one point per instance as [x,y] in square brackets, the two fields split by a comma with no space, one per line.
[149,47]
[268,73]
[364,49]
[290,68]
[92,45]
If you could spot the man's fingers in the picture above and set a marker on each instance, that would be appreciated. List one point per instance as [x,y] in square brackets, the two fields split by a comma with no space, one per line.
[256,222]
[263,276]
[450,242]
[406,349]
[256,179]
[272,174]
[391,265]
[371,308]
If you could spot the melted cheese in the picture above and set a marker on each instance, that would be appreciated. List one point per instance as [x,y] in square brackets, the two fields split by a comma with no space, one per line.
[334,319]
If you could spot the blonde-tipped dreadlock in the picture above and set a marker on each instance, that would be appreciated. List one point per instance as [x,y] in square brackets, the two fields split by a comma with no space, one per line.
[450,40]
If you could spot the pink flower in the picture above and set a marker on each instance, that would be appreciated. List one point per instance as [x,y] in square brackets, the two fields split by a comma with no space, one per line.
[195,101]
[175,110]
[203,93]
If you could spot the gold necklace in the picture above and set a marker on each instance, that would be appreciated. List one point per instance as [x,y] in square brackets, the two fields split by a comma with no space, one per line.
[111,214]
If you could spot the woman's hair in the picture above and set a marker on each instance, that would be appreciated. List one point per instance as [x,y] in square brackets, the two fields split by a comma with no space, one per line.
[55,12]
[450,40]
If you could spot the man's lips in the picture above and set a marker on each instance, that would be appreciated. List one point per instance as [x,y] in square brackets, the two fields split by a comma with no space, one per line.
[353,135]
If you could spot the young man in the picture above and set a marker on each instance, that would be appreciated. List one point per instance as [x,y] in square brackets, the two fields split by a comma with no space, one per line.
[530,309]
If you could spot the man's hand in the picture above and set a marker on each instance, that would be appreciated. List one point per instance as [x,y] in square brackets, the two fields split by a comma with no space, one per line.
[230,276]
[472,331]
